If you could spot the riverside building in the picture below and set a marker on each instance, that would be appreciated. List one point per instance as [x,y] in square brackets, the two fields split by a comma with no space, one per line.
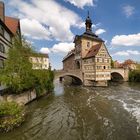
[9,27]
[91,57]
[40,61]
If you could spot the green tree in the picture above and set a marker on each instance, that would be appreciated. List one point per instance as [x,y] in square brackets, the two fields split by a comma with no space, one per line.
[17,73]
[138,66]
[43,81]
[134,76]
[112,63]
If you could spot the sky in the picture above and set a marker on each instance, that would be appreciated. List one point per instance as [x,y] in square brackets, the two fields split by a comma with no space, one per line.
[51,25]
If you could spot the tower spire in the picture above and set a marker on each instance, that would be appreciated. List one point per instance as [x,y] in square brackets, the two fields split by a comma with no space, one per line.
[88,14]
[88,23]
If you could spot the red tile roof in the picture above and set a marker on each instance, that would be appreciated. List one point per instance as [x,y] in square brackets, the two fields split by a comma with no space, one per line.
[93,50]
[12,24]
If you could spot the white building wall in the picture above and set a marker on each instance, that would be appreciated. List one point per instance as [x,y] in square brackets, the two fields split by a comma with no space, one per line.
[40,62]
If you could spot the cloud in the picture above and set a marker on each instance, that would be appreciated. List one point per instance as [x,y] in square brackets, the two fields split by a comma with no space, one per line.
[81,3]
[45,50]
[61,48]
[100,31]
[127,53]
[126,40]
[128,10]
[53,18]
[33,29]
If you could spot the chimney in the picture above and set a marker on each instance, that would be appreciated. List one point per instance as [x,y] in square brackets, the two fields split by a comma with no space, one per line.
[2,11]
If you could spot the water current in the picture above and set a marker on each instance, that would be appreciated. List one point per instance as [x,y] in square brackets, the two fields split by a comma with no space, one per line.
[83,113]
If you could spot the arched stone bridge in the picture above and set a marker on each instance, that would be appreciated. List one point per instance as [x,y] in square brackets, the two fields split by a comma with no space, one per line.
[116,74]
[71,73]
[121,73]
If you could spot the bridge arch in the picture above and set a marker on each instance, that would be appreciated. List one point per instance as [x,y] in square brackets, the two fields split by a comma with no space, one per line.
[75,78]
[116,76]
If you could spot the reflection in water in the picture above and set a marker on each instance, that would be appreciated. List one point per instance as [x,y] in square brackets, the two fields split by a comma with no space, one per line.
[80,113]
[58,89]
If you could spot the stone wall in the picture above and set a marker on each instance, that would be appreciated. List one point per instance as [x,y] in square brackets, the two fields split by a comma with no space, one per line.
[69,64]
[21,99]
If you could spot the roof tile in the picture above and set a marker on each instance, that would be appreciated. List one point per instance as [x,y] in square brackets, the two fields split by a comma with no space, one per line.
[93,50]
[12,24]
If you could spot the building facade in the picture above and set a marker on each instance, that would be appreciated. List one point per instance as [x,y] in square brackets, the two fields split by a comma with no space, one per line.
[69,63]
[9,27]
[91,57]
[40,61]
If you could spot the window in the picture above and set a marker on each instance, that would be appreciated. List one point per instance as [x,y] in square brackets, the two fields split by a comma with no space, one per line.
[2,48]
[97,59]
[1,63]
[104,67]
[1,30]
[85,61]
[88,44]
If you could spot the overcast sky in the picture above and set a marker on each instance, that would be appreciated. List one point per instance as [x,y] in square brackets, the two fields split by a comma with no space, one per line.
[50,25]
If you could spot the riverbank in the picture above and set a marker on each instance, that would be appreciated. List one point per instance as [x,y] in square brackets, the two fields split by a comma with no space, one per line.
[12,115]
[12,109]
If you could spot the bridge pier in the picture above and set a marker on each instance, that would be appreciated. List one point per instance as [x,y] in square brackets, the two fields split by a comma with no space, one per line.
[95,83]
[101,83]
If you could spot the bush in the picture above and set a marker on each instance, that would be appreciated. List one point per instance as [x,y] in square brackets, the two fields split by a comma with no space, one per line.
[134,76]
[18,75]
[17,72]
[43,81]
[11,115]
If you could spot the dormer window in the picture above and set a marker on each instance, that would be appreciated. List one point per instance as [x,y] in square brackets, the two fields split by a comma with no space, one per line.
[88,44]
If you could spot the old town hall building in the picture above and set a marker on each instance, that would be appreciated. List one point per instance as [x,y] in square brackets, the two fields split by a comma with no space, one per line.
[91,57]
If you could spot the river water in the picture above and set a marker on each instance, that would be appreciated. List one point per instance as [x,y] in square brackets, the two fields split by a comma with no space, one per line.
[83,113]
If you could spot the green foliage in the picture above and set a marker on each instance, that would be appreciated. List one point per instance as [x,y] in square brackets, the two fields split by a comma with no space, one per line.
[11,115]
[9,108]
[43,81]
[49,83]
[138,66]
[134,76]
[18,75]
[112,63]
